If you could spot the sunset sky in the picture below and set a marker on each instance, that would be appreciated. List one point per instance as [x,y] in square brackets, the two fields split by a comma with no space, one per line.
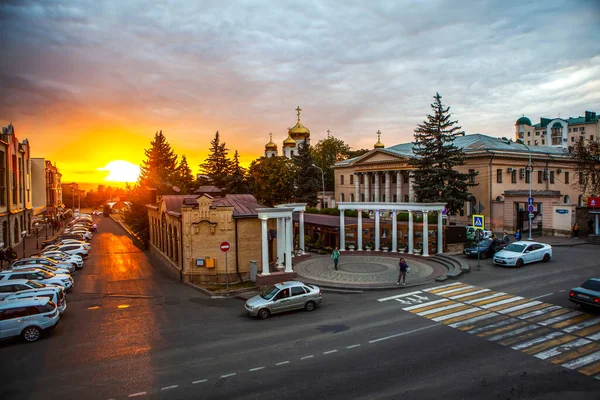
[90,81]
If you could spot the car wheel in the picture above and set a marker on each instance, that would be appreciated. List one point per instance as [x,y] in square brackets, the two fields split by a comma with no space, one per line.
[263,313]
[31,334]
[519,263]
[546,257]
[310,306]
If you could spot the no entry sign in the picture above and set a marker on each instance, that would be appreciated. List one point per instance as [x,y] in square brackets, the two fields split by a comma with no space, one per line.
[225,246]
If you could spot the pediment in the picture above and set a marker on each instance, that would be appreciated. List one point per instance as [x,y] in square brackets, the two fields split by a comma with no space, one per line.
[379,156]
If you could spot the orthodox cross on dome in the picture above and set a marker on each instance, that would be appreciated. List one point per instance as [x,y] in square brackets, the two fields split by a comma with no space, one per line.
[298,109]
[378,135]
[271,136]
[328,132]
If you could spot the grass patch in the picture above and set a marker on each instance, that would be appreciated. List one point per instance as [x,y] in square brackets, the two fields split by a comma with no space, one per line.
[232,286]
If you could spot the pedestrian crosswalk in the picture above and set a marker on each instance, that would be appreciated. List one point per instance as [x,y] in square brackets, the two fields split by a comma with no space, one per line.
[562,336]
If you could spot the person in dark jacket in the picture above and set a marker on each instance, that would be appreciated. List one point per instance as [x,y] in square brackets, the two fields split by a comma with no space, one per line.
[402,273]
[10,255]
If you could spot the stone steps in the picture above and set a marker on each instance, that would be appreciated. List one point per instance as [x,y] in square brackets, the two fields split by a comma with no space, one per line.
[455,266]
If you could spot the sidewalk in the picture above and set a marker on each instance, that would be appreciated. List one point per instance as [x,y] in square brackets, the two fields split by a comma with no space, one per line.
[556,241]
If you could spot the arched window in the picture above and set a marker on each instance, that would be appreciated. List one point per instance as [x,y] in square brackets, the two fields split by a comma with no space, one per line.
[580,200]
[17,232]
[341,196]
[352,197]
[499,198]
[395,198]
[5,233]
[383,198]
[556,134]
[567,199]
[362,197]
[406,198]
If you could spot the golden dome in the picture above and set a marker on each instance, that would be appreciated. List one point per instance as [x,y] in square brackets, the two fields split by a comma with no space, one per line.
[379,145]
[299,131]
[270,145]
[289,142]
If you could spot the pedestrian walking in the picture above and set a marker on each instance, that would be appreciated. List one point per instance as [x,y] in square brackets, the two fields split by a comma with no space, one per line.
[95,228]
[404,268]
[518,235]
[576,231]
[506,238]
[335,255]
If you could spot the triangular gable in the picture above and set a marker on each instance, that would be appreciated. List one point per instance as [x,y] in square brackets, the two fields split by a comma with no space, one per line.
[378,156]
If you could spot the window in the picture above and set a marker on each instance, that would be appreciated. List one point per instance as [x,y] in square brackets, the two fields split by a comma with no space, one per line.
[406,198]
[352,197]
[572,139]
[540,176]
[529,142]
[341,196]
[298,291]
[575,129]
[566,177]
[567,199]
[543,142]
[537,133]
[13,313]
[513,176]
[580,177]
[462,212]
[569,130]
[499,175]
[551,176]
[394,180]
[472,176]
[591,137]
[361,179]
[341,179]
[352,179]
[556,135]
[362,197]
[405,178]
[528,133]
[373,179]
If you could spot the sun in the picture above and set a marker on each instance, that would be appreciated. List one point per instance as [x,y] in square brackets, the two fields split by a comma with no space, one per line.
[121,171]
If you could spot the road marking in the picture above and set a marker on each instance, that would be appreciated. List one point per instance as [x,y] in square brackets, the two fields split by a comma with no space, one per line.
[464,317]
[438,309]
[513,333]
[169,387]
[542,296]
[398,296]
[538,348]
[507,305]
[505,301]
[443,286]
[531,342]
[200,381]
[594,337]
[491,300]
[228,375]
[524,336]
[402,334]
[459,296]
[554,351]
[551,321]
[284,362]
[539,312]
[330,352]
[353,346]
[475,319]
[498,294]
[591,369]
[415,298]
[575,354]
[520,307]
[445,290]
[509,321]
[93,308]
[255,369]
[454,310]
[137,394]
[456,290]
[428,305]
[455,314]
[576,321]
[588,331]
[307,357]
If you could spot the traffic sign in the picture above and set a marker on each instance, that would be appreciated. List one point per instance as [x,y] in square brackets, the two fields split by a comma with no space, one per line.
[530,201]
[531,216]
[530,208]
[478,221]
[225,246]
[478,208]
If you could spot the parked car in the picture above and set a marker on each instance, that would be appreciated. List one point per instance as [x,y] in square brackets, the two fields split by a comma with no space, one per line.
[86,245]
[59,238]
[27,318]
[85,234]
[15,285]
[59,256]
[70,249]
[35,261]
[588,294]
[46,268]
[284,296]
[56,295]
[41,276]
[485,248]
[523,252]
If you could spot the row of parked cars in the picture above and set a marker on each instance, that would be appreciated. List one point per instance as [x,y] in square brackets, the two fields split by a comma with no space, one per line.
[33,290]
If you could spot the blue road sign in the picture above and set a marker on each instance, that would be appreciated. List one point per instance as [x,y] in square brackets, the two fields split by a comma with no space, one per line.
[478,221]
[530,201]
[530,208]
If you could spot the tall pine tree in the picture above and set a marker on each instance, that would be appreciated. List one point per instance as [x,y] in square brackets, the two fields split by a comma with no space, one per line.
[217,166]
[185,179]
[158,171]
[436,179]
[308,182]
[326,153]
[238,182]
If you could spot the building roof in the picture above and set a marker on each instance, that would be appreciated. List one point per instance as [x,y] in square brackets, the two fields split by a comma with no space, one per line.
[589,118]
[244,205]
[208,189]
[173,202]
[523,121]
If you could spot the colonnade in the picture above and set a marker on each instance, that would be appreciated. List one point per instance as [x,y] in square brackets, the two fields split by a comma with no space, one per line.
[374,178]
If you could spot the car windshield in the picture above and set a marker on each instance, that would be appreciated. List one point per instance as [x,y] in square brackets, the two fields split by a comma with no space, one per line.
[591,285]
[269,293]
[485,243]
[46,275]
[35,284]
[49,267]
[517,248]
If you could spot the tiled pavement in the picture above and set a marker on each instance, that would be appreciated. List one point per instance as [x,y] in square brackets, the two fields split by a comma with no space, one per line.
[560,335]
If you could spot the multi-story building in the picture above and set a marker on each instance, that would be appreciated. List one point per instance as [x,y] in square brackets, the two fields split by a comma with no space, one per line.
[558,132]
[38,186]
[54,196]
[16,211]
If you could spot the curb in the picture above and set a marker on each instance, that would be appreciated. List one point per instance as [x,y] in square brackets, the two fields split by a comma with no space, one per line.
[328,287]
[221,294]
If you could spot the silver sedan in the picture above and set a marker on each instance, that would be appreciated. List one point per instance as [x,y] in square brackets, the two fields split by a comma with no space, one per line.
[284,296]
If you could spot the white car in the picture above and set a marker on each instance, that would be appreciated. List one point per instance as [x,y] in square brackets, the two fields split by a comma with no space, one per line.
[87,246]
[74,259]
[523,252]
[55,294]
[27,318]
[16,285]
[40,260]
[38,275]
[47,268]
[85,234]
[70,249]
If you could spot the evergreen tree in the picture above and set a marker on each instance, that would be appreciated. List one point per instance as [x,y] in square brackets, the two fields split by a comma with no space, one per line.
[308,181]
[586,154]
[436,179]
[238,182]
[273,180]
[158,171]
[217,166]
[136,217]
[185,179]
[326,153]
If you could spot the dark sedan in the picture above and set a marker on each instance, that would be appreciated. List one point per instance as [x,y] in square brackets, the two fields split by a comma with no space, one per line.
[588,294]
[486,248]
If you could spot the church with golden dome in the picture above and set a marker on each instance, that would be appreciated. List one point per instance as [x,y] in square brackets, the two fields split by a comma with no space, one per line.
[295,136]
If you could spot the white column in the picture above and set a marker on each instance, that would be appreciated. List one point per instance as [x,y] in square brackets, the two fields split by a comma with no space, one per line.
[289,244]
[394,232]
[376,190]
[367,187]
[425,235]
[411,187]
[359,229]
[357,187]
[388,197]
[342,232]
[280,241]
[398,187]
[377,230]
[265,246]
[440,234]
[302,231]
[410,232]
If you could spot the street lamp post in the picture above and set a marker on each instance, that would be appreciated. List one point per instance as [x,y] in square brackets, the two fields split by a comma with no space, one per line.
[23,234]
[37,231]
[323,187]
[46,226]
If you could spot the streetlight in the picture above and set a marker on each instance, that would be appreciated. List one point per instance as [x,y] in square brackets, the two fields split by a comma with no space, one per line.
[23,234]
[37,231]
[323,182]
[529,170]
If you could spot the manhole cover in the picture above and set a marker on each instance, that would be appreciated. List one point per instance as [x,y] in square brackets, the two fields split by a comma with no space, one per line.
[301,343]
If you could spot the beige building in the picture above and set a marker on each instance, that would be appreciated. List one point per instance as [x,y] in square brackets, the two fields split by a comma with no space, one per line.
[558,132]
[502,191]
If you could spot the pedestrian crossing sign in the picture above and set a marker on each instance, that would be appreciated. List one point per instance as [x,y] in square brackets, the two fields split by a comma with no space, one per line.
[479,221]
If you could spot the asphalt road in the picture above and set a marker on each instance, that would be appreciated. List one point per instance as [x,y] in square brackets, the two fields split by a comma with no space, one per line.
[131,332]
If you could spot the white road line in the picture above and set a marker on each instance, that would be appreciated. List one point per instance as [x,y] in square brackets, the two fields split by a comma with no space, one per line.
[443,308]
[430,303]
[456,314]
[459,296]
[169,387]
[542,296]
[255,369]
[137,394]
[513,333]
[539,312]
[580,362]
[537,340]
[402,333]
[443,286]
[282,363]
[330,352]
[520,307]
[582,325]
[562,291]
[475,319]
[307,357]
[499,303]
[496,325]
[561,349]
[595,336]
[353,346]
[228,375]
[451,290]
[485,298]
[200,381]
[560,318]
[399,296]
